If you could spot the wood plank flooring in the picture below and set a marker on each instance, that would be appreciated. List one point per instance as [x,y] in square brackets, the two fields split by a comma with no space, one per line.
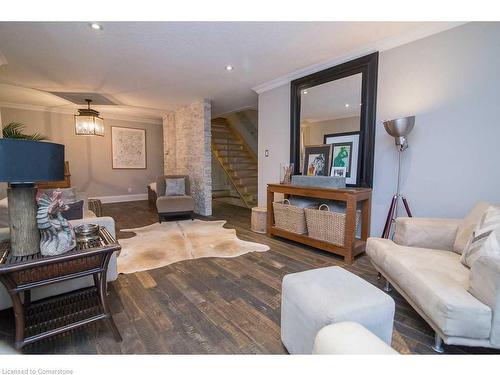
[214,305]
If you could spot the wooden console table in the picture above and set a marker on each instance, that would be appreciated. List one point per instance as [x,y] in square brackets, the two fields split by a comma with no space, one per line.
[352,246]
[58,314]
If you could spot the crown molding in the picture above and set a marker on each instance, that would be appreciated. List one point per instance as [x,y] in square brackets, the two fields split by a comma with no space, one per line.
[71,111]
[381,45]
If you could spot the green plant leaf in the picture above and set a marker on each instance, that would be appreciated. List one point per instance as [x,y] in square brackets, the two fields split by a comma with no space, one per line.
[14,130]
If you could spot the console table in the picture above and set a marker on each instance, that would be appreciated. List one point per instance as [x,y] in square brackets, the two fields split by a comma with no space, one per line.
[58,314]
[352,246]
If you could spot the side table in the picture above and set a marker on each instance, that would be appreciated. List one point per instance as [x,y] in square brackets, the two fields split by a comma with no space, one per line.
[58,314]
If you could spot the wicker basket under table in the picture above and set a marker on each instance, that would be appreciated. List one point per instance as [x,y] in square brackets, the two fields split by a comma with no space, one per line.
[55,315]
[288,217]
[326,225]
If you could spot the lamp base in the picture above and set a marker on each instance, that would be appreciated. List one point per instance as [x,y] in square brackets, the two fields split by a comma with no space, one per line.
[24,234]
[392,213]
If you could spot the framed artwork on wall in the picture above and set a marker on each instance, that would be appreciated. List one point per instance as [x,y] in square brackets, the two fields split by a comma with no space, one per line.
[317,160]
[345,148]
[128,147]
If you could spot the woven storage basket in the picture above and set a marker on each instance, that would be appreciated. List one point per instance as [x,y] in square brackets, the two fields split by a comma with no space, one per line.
[327,226]
[288,217]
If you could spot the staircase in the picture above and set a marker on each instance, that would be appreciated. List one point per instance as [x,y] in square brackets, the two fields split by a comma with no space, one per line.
[237,159]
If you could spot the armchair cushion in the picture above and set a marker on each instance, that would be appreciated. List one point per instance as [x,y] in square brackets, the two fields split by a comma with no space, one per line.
[485,286]
[179,203]
[428,233]
[161,185]
[175,186]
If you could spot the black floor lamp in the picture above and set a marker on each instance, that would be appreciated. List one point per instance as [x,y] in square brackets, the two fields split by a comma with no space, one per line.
[399,129]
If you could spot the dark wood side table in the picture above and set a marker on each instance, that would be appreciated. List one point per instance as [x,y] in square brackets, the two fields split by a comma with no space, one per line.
[58,314]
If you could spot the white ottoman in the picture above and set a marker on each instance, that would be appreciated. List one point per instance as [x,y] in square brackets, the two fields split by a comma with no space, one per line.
[313,299]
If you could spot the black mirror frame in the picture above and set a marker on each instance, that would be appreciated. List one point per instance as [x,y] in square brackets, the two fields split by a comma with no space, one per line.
[368,67]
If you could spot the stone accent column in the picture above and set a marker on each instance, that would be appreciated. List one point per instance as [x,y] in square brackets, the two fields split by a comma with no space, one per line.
[187,142]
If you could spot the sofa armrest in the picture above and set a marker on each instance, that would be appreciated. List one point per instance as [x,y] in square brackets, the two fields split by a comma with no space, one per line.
[484,284]
[426,232]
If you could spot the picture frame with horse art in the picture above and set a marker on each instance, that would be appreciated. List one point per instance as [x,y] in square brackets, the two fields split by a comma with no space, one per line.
[317,160]
[345,147]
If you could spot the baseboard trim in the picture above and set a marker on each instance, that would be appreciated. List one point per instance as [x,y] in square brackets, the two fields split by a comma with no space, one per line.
[122,198]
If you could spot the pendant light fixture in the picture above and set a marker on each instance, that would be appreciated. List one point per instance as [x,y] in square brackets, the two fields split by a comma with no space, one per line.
[88,122]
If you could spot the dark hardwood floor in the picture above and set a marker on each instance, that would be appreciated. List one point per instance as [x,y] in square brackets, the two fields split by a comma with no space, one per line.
[214,305]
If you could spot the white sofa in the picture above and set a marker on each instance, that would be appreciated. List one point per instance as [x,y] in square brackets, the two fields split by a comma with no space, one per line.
[462,305]
[65,286]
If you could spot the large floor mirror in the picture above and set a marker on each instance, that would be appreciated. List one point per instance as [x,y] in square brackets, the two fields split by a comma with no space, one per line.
[333,121]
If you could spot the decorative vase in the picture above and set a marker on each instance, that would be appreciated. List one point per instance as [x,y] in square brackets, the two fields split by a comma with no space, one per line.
[286,171]
[56,234]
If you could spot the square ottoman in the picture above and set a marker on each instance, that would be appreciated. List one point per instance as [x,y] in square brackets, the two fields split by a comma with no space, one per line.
[313,299]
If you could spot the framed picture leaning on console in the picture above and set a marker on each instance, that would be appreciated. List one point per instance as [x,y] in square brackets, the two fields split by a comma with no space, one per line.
[317,160]
[345,147]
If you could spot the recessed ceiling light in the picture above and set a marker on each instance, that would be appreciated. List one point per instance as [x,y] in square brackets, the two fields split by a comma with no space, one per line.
[95,26]
[305,92]
[346,105]
[229,67]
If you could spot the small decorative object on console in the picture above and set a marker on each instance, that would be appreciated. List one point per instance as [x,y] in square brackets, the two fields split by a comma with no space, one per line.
[57,236]
[286,171]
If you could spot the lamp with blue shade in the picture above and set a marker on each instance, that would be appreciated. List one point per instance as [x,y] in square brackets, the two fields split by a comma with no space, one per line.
[22,164]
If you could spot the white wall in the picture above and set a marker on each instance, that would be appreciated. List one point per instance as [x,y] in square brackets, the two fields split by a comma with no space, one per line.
[450,82]
[274,135]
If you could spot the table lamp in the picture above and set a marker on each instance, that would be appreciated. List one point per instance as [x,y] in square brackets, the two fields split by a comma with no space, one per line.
[22,163]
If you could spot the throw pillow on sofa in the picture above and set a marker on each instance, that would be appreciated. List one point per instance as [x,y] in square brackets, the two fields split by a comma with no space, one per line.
[74,211]
[175,186]
[485,240]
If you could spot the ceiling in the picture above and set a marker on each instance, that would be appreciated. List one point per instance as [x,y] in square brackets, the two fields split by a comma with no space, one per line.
[332,100]
[150,68]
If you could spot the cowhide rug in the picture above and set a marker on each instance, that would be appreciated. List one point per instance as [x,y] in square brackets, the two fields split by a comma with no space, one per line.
[158,245]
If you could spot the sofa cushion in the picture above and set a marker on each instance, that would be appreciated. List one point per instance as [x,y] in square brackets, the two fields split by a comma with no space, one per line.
[437,283]
[485,240]
[467,225]
[74,211]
